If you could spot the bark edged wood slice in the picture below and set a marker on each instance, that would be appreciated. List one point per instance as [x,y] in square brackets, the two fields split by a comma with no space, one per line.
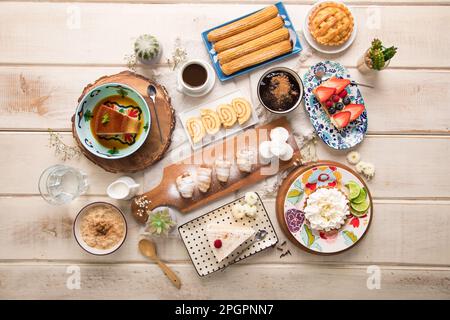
[166,192]
[152,150]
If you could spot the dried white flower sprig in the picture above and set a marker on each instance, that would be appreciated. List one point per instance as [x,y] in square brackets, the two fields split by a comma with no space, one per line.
[179,55]
[62,150]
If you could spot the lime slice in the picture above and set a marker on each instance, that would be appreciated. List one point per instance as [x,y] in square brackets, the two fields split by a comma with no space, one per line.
[357,214]
[362,196]
[360,207]
[354,189]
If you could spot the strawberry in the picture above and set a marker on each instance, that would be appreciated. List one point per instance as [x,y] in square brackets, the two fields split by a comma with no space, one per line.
[341,119]
[343,94]
[355,110]
[323,93]
[336,83]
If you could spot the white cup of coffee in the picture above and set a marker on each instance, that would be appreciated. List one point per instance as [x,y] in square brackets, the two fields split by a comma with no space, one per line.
[195,78]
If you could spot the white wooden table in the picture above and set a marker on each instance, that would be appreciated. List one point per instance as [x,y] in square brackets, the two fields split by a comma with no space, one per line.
[46,58]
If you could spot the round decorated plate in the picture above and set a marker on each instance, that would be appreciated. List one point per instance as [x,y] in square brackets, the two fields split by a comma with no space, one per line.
[291,200]
[352,134]
[328,49]
[110,104]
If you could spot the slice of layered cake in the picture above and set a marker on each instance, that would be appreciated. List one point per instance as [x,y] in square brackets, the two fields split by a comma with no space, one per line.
[226,239]
[109,121]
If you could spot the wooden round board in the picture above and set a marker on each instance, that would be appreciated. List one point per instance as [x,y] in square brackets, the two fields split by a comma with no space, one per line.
[153,149]
[292,197]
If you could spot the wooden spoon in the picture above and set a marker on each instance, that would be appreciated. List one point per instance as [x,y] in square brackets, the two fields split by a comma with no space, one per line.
[148,249]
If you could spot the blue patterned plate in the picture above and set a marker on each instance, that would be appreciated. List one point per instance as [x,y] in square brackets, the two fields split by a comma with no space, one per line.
[123,99]
[337,139]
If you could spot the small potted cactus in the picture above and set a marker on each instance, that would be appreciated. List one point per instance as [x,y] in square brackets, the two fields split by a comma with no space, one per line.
[160,222]
[147,49]
[377,57]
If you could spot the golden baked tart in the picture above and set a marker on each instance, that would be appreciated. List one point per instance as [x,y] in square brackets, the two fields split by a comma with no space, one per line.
[331,23]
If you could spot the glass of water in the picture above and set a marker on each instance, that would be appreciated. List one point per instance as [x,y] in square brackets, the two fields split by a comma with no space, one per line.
[60,184]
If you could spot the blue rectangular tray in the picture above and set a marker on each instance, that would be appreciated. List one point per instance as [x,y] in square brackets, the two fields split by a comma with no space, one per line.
[296,48]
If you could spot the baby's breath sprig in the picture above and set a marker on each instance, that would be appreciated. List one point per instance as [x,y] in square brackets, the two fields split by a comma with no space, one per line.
[62,150]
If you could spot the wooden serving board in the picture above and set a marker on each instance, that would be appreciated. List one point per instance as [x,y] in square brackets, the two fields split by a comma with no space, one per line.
[166,193]
[152,150]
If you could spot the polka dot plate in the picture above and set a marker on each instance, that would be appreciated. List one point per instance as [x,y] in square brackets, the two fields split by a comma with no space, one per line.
[193,234]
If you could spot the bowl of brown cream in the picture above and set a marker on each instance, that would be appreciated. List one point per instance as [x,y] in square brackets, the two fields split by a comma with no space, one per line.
[280,90]
[100,228]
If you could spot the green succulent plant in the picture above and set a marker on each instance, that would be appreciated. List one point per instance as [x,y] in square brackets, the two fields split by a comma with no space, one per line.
[146,47]
[160,222]
[378,54]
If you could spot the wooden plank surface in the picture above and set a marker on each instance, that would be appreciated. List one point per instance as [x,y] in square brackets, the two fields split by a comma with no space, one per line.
[309,2]
[393,178]
[408,142]
[29,154]
[400,234]
[145,281]
[44,97]
[406,166]
[90,42]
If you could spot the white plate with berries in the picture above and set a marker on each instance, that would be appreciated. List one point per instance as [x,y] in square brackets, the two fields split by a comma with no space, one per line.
[335,105]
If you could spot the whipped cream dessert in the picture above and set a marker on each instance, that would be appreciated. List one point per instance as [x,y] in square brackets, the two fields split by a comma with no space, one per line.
[326,209]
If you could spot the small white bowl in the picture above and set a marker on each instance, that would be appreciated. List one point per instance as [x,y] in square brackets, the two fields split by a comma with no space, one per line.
[79,238]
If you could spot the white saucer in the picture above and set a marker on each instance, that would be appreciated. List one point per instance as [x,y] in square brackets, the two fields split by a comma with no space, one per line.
[209,85]
[328,49]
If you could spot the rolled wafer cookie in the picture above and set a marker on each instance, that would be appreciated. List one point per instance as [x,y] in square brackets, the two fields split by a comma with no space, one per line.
[253,45]
[256,57]
[243,24]
[250,34]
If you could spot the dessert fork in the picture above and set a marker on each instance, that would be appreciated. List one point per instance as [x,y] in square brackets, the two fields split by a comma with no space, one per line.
[260,235]
[319,76]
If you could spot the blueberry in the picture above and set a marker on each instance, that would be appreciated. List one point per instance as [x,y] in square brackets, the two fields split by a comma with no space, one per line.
[346,100]
[339,106]
[331,110]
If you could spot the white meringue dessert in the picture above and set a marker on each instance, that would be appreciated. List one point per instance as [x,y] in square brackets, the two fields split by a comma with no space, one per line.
[326,209]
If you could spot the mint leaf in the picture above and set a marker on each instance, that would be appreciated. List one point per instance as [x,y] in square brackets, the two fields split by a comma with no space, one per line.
[105,118]
[113,151]
[87,115]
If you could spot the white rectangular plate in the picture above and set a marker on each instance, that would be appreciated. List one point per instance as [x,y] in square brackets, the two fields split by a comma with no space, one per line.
[207,139]
[193,234]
